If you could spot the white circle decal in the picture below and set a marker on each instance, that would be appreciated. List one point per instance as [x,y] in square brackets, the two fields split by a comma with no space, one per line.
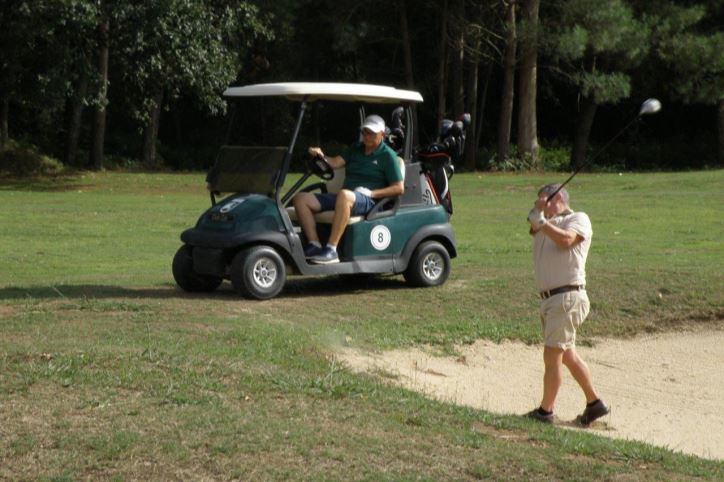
[380,237]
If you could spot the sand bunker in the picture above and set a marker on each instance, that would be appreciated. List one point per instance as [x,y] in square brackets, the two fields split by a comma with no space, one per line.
[666,390]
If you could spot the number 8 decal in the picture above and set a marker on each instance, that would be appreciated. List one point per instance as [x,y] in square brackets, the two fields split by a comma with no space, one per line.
[380,237]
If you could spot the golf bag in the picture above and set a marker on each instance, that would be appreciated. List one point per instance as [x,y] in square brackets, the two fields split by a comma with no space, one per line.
[437,161]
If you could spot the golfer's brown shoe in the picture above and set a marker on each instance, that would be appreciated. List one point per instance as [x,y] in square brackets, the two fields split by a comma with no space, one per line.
[541,417]
[594,412]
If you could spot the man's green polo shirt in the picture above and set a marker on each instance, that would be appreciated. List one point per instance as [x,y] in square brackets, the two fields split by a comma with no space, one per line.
[373,171]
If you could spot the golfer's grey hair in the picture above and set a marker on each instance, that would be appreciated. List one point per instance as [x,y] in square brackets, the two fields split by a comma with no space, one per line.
[551,188]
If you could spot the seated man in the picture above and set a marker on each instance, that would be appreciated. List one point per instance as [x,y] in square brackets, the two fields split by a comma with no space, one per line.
[371,172]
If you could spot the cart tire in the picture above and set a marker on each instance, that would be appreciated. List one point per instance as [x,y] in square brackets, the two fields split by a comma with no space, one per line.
[187,278]
[429,265]
[258,272]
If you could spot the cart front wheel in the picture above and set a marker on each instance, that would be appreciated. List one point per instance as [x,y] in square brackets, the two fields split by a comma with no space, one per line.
[258,272]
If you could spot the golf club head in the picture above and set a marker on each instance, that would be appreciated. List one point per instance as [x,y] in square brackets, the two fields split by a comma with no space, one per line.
[465,119]
[650,106]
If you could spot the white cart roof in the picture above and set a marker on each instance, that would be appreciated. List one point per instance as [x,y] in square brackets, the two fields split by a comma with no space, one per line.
[313,91]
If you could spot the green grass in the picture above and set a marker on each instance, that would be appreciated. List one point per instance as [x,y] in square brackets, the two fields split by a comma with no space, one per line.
[107,371]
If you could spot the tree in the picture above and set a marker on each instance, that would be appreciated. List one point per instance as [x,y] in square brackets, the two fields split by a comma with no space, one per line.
[457,57]
[465,40]
[692,54]
[23,53]
[527,81]
[472,61]
[175,47]
[77,40]
[99,116]
[506,99]
[442,65]
[406,47]
[481,47]
[407,54]
[47,48]
[16,45]
[594,46]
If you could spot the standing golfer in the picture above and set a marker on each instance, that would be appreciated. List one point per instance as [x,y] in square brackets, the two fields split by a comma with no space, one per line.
[561,239]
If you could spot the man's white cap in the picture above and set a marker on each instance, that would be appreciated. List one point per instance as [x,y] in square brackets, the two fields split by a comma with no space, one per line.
[374,123]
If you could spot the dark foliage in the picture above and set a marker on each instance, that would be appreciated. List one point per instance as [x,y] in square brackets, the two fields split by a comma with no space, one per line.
[49,48]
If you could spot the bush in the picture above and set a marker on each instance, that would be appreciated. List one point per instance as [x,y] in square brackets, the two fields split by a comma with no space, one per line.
[487,160]
[115,162]
[551,157]
[21,160]
[555,157]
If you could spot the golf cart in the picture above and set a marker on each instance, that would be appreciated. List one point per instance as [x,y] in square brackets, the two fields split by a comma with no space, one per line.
[252,236]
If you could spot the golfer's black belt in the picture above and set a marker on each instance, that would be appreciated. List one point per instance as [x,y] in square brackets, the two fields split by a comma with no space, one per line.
[561,289]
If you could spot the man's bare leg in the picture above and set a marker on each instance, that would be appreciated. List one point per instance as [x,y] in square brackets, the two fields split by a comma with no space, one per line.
[342,213]
[306,204]
[581,373]
[553,377]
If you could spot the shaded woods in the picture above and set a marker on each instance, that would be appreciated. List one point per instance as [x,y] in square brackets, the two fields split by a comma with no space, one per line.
[97,83]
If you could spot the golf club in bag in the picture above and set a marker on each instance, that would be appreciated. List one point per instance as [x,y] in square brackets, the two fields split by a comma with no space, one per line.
[395,132]
[437,159]
[650,106]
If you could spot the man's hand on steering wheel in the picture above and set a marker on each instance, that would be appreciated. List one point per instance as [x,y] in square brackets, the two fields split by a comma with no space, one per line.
[319,165]
[315,151]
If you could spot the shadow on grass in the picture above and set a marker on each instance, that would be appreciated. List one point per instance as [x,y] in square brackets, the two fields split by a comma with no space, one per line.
[295,288]
[330,285]
[59,183]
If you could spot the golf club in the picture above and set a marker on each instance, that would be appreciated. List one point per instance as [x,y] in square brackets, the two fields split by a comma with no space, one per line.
[650,106]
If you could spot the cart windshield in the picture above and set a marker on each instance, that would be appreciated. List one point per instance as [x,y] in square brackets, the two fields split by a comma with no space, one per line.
[245,169]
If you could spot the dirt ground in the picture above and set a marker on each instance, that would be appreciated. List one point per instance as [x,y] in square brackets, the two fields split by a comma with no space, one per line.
[666,390]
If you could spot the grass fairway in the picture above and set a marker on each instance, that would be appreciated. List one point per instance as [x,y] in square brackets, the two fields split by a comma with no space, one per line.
[107,371]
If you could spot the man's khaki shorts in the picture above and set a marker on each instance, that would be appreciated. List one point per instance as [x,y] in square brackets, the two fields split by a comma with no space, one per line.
[561,315]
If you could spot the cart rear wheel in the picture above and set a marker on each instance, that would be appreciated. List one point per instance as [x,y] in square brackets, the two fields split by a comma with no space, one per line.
[186,277]
[429,265]
[258,272]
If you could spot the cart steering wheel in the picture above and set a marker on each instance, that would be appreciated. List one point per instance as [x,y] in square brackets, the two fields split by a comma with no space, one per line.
[319,166]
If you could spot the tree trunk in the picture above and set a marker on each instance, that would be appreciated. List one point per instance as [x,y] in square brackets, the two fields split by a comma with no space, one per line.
[471,142]
[99,120]
[74,121]
[583,132]
[407,51]
[4,114]
[527,124]
[506,103]
[720,121]
[150,132]
[442,68]
[406,48]
[458,59]
[482,104]
[177,127]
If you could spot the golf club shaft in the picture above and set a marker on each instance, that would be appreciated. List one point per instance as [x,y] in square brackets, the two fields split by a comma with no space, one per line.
[590,160]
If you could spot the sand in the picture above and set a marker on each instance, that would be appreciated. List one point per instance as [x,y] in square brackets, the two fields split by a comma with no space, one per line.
[666,390]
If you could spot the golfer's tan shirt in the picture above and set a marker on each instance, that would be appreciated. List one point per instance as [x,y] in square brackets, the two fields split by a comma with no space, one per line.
[555,266]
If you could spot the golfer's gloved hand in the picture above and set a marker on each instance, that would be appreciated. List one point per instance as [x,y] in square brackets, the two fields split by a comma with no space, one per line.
[363,190]
[536,219]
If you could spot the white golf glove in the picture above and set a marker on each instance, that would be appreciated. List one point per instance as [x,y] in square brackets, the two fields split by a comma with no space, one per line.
[363,190]
[536,219]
